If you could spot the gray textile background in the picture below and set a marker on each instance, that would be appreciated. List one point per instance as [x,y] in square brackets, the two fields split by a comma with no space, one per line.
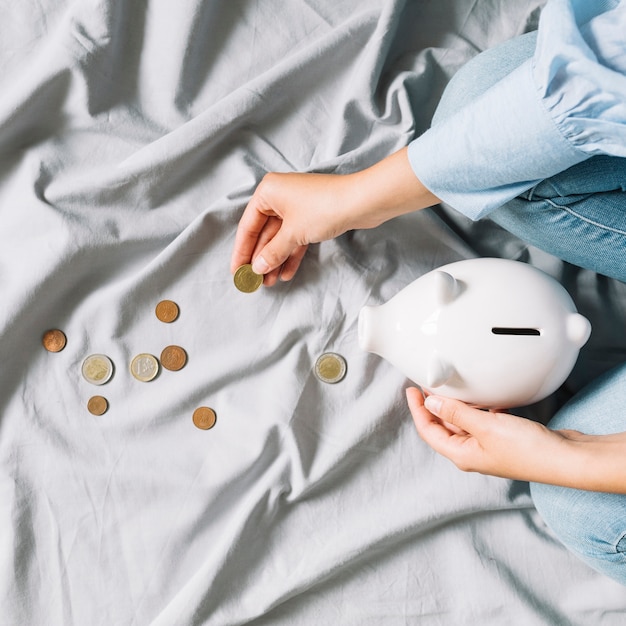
[131,135]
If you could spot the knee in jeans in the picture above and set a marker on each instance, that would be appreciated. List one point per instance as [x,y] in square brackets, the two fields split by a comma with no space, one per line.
[591,524]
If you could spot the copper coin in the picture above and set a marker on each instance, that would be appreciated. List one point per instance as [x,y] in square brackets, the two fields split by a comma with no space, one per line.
[167,311]
[246,279]
[97,405]
[204,418]
[54,340]
[173,358]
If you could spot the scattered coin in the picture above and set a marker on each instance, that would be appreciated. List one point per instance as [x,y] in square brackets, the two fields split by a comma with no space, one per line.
[330,367]
[97,369]
[246,279]
[144,367]
[173,358]
[54,340]
[97,405]
[204,418]
[167,311]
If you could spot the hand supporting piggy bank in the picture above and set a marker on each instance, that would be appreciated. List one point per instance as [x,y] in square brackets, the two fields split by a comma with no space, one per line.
[491,332]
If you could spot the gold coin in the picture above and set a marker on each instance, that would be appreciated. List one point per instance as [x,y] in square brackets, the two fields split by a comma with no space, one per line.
[246,279]
[97,369]
[330,367]
[204,418]
[173,358]
[144,367]
[97,405]
[167,311]
[54,340]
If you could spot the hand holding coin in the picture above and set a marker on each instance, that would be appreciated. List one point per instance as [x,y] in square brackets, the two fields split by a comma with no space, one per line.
[289,211]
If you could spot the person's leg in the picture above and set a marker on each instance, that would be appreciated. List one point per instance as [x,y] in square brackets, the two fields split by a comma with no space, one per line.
[578,215]
[590,524]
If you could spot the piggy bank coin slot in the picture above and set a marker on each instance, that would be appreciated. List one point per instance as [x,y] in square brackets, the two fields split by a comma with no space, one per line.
[503,330]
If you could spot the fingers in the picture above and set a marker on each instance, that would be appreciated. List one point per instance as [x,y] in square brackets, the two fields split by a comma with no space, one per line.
[291,265]
[253,237]
[272,226]
[457,413]
[279,247]
[265,239]
[251,225]
[434,431]
[286,213]
[289,268]
[415,400]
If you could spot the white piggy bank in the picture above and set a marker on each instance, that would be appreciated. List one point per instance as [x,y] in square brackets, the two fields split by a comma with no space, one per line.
[491,332]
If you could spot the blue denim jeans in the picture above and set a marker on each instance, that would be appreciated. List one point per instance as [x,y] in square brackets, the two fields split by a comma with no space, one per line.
[579,216]
[592,525]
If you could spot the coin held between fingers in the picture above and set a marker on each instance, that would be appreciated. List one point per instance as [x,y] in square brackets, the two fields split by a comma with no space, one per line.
[246,279]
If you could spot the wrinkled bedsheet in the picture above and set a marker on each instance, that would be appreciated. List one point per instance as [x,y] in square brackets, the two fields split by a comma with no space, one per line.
[132,134]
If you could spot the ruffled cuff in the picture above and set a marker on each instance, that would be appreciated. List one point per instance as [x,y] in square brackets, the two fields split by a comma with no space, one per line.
[496,147]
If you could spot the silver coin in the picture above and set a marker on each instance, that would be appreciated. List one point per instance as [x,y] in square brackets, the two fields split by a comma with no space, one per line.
[144,367]
[330,367]
[97,369]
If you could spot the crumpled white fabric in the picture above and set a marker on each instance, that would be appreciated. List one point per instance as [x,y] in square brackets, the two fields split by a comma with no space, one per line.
[131,136]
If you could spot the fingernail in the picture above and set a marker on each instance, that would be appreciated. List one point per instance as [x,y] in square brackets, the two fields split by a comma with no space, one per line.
[433,404]
[260,266]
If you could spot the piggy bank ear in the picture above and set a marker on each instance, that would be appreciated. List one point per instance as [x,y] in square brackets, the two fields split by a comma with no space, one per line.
[439,372]
[445,287]
[578,329]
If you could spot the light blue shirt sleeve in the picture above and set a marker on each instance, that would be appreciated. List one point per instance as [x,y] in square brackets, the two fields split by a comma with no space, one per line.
[565,104]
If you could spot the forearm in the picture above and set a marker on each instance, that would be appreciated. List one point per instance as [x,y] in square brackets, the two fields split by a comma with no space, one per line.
[564,458]
[288,211]
[386,190]
[595,462]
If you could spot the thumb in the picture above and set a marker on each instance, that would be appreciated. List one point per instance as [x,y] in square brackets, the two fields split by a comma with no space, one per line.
[455,412]
[274,253]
